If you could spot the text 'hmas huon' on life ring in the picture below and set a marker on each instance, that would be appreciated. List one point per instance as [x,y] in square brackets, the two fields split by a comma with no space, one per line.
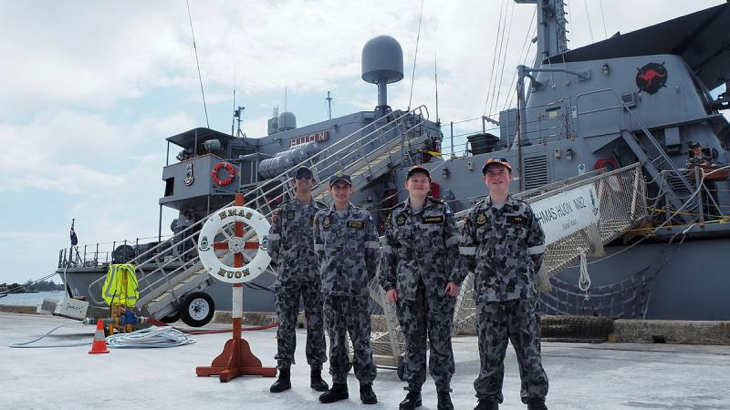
[215,237]
[227,180]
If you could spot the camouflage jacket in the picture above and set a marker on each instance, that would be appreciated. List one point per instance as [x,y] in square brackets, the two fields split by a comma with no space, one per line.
[504,248]
[703,160]
[421,244]
[291,241]
[347,246]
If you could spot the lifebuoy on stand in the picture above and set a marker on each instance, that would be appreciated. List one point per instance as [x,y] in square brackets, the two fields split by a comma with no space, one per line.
[227,180]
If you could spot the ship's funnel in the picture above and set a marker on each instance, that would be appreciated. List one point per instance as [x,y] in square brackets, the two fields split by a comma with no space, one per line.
[382,64]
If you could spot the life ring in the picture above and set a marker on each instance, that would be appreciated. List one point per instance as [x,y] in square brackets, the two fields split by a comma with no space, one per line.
[214,226]
[228,179]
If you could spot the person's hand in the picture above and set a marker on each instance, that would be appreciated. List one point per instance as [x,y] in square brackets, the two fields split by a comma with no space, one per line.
[391,295]
[452,289]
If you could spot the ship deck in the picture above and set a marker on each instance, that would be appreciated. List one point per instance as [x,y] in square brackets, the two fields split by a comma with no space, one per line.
[582,376]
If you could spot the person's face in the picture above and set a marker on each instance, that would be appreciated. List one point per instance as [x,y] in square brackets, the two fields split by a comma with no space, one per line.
[418,184]
[304,181]
[697,150]
[497,178]
[341,191]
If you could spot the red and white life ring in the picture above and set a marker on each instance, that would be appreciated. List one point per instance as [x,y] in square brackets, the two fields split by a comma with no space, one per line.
[227,180]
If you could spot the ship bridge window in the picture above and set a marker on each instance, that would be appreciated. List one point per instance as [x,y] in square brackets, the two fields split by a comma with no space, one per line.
[553,112]
[169,186]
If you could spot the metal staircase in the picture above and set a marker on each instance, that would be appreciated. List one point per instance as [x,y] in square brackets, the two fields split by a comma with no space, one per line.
[171,270]
[671,181]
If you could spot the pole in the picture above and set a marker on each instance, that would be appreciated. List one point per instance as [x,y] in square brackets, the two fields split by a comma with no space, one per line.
[329,106]
[452,139]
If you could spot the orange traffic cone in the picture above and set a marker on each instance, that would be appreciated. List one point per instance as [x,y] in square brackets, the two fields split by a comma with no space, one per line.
[99,345]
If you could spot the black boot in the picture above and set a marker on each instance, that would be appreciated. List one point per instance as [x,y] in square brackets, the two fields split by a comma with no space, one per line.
[367,395]
[412,401]
[336,393]
[487,405]
[537,405]
[316,382]
[444,401]
[283,383]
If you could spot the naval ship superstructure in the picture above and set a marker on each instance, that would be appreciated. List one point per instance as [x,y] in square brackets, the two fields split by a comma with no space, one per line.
[636,98]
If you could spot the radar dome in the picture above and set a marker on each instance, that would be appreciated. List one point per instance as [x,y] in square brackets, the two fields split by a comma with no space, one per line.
[287,121]
[382,60]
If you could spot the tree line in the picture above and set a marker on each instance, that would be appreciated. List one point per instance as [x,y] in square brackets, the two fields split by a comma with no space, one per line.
[30,286]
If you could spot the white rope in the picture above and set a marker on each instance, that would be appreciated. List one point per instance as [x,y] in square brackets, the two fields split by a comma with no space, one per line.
[153,337]
[584,280]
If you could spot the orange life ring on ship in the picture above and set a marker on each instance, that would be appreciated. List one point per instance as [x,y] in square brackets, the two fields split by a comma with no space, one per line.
[227,180]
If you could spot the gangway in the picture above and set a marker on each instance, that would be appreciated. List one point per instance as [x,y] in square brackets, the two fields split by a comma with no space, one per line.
[170,271]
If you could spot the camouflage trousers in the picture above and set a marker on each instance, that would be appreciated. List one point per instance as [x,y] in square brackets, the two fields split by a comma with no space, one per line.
[287,308]
[517,321]
[432,315]
[349,315]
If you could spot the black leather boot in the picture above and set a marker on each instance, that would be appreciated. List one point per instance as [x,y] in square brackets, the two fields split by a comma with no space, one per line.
[444,401]
[487,405]
[316,382]
[336,393]
[283,383]
[367,395]
[412,401]
[537,405]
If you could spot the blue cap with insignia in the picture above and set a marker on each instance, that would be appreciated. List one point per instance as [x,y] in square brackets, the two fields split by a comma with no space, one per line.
[340,177]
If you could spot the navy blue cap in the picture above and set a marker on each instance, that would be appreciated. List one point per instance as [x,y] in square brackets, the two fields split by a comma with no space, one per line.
[418,168]
[340,177]
[695,144]
[302,170]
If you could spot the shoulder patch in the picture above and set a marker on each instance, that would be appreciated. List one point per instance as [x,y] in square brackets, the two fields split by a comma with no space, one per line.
[481,218]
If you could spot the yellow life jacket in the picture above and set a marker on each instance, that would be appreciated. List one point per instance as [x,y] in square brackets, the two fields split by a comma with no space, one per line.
[120,286]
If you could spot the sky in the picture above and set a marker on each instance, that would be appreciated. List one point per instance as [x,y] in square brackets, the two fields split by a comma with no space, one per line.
[90,90]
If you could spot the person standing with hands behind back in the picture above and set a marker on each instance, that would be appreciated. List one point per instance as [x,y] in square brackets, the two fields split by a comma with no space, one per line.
[503,244]
[420,272]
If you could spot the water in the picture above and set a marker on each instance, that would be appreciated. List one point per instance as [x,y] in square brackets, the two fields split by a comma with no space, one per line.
[30,299]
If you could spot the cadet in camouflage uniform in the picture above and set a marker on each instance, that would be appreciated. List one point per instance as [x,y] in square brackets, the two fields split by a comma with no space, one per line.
[420,257]
[291,247]
[347,243]
[504,245]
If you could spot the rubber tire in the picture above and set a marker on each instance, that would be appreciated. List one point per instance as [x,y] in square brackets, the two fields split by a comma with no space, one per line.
[171,318]
[196,298]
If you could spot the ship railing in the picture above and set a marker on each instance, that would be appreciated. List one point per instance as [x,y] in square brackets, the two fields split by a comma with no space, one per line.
[101,253]
[176,255]
[694,200]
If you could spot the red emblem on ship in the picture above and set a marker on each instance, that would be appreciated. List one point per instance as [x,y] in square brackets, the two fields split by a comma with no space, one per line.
[651,77]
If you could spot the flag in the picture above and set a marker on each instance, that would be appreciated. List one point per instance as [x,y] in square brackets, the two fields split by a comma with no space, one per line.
[74,239]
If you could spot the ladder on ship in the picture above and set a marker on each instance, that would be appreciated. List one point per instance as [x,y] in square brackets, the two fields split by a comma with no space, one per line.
[171,270]
[672,182]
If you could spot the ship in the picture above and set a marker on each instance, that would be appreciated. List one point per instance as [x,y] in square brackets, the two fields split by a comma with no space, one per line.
[633,103]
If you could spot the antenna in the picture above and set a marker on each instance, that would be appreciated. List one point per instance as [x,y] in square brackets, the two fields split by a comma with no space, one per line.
[237,114]
[436,85]
[200,77]
[233,121]
[329,106]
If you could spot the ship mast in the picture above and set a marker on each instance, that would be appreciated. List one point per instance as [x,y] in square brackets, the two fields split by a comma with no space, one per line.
[552,34]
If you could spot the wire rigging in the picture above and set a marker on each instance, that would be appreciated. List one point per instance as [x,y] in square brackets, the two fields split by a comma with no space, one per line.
[494,58]
[504,61]
[200,77]
[415,56]
[603,17]
[588,18]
